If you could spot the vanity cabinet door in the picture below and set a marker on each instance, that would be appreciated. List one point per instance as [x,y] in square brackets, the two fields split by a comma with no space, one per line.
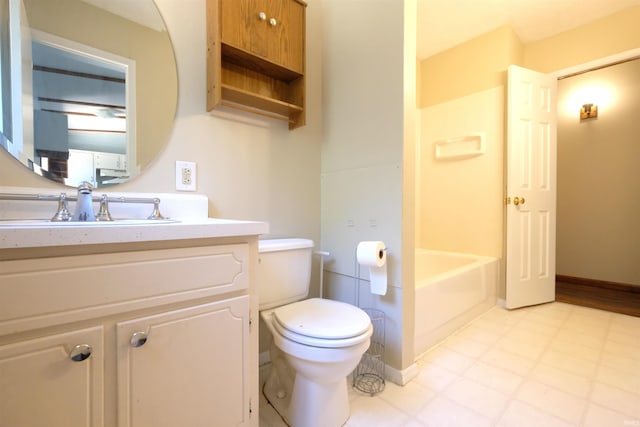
[55,380]
[187,367]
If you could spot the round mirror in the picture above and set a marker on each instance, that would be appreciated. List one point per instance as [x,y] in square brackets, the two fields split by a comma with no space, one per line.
[89,87]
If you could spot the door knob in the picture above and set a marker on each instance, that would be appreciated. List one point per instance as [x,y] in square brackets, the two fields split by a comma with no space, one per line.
[273,22]
[518,201]
[262,16]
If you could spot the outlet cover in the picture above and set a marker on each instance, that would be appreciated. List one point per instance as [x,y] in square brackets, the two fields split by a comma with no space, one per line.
[185,176]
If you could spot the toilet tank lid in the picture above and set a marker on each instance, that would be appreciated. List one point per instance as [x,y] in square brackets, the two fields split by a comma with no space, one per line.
[272,245]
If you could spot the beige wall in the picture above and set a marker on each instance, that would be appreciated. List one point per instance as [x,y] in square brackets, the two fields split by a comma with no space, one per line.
[474,66]
[598,176]
[362,156]
[616,33]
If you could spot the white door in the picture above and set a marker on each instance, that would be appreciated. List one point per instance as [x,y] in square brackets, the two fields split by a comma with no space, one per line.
[531,188]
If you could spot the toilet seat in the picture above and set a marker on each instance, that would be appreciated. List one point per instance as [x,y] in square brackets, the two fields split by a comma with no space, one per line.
[322,323]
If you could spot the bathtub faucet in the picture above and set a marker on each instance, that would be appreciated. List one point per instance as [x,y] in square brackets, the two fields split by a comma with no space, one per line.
[84,204]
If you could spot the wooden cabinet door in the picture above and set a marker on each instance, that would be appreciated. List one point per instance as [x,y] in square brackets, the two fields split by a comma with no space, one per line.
[285,35]
[238,19]
[270,29]
[192,370]
[40,385]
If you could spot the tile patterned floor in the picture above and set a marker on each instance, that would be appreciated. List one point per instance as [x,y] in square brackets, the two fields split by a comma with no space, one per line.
[544,366]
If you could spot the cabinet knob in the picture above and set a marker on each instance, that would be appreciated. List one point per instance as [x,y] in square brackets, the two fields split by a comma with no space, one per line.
[262,16]
[138,339]
[273,22]
[80,352]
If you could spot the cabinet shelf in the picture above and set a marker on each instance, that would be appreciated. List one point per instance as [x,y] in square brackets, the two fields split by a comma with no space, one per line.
[252,102]
[233,55]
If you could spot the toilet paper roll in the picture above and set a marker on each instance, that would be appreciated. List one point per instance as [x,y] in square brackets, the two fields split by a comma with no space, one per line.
[373,254]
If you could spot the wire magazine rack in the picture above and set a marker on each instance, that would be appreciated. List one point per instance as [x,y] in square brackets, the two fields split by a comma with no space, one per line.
[368,377]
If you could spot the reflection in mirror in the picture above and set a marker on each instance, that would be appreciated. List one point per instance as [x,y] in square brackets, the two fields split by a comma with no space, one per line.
[80,113]
[96,95]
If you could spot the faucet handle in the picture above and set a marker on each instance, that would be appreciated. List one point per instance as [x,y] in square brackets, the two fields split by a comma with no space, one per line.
[156,210]
[104,214]
[63,213]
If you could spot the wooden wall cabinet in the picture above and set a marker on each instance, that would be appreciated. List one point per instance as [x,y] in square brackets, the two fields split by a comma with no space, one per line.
[256,57]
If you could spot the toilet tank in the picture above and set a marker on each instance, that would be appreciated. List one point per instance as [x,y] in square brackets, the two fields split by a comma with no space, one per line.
[284,271]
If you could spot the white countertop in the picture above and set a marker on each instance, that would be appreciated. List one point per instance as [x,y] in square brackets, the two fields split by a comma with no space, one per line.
[30,234]
[22,224]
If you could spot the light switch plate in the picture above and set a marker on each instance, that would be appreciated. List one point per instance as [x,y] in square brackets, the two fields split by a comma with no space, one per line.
[185,176]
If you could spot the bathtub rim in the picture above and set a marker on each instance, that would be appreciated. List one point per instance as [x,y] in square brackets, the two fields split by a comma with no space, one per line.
[475,261]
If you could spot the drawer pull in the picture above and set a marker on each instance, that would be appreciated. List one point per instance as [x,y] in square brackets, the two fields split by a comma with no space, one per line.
[80,352]
[138,339]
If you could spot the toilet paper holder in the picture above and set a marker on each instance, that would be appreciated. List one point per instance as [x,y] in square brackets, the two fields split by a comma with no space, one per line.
[373,254]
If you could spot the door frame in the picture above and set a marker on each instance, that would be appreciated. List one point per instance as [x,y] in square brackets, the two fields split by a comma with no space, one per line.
[597,63]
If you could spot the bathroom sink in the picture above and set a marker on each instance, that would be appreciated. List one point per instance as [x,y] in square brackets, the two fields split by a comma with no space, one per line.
[15,223]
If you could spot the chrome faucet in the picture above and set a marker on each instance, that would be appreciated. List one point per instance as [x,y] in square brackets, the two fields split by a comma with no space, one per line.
[84,204]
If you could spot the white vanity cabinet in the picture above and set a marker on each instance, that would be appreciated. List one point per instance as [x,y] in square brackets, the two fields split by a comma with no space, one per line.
[169,326]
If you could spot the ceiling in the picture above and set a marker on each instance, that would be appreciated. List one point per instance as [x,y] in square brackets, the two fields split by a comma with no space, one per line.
[443,24]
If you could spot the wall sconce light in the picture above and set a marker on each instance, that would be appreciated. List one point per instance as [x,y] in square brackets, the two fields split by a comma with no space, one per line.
[588,111]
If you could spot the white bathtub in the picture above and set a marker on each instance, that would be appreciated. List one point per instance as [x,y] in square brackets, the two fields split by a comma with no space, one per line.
[451,290]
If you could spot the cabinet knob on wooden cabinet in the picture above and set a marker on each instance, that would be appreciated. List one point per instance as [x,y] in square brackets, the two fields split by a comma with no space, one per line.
[273,22]
[138,339]
[80,352]
[262,16]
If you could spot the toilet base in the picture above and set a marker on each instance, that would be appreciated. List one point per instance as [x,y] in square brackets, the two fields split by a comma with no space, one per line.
[308,403]
[326,404]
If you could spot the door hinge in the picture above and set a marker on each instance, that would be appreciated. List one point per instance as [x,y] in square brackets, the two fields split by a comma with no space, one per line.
[250,321]
[250,407]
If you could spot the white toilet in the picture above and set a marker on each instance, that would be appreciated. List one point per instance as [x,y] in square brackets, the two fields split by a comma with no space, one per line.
[316,342]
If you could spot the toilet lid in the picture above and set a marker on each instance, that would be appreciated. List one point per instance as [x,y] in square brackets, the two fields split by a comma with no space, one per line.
[323,319]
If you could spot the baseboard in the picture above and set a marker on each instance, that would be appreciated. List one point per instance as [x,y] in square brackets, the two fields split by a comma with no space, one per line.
[401,377]
[611,296]
[625,287]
